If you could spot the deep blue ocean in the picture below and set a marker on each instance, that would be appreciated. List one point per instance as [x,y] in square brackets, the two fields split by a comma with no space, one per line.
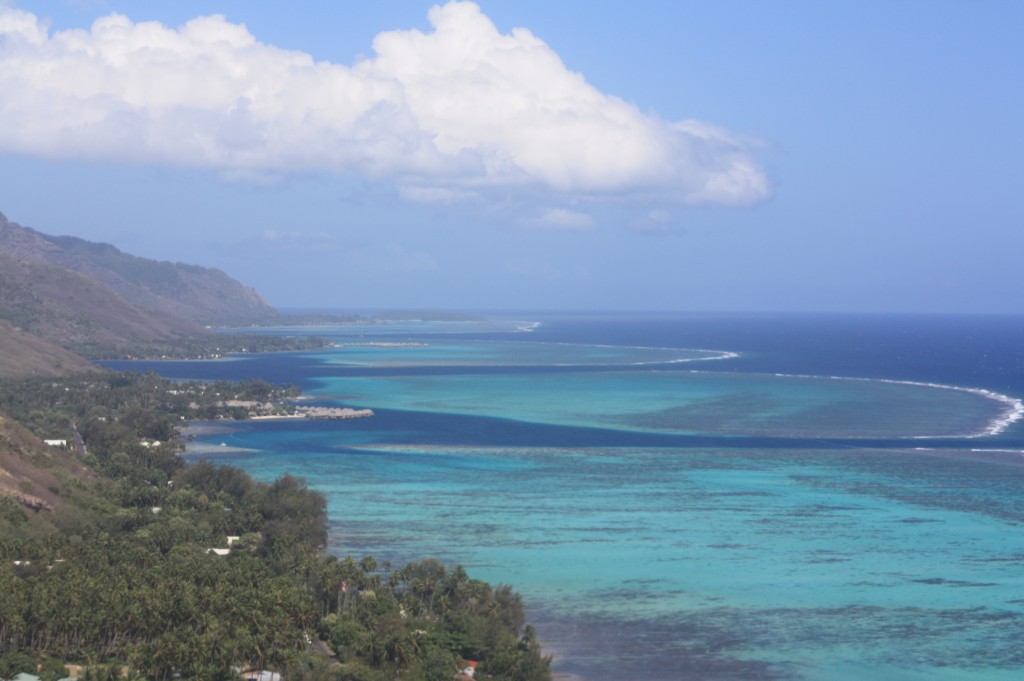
[682,496]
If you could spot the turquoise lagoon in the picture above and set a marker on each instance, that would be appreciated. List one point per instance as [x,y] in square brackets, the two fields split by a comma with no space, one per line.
[663,516]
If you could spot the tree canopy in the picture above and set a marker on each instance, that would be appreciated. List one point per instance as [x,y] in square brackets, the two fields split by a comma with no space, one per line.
[136,583]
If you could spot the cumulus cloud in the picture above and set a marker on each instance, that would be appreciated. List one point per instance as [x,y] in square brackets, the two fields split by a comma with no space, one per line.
[462,112]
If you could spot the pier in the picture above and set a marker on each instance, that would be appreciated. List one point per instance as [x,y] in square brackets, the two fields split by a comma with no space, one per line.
[333,412]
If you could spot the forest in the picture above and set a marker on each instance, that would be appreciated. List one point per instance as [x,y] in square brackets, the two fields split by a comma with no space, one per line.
[151,568]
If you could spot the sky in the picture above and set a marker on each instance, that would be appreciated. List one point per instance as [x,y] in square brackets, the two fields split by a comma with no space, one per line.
[728,155]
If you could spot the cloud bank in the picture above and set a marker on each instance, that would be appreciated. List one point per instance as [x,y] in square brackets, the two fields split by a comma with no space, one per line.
[460,113]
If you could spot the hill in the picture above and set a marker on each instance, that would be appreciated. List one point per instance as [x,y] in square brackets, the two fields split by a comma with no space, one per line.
[22,354]
[93,300]
[200,294]
[42,487]
[69,309]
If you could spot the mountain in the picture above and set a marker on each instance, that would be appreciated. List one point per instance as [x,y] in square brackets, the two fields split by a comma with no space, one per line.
[200,294]
[74,311]
[22,354]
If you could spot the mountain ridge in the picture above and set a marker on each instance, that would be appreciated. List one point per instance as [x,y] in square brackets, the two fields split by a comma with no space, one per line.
[63,299]
[200,294]
[74,311]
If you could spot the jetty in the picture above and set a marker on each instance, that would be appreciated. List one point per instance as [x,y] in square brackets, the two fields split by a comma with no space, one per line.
[383,344]
[265,411]
[333,412]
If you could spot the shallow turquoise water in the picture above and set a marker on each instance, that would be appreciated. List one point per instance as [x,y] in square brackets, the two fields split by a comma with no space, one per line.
[446,352]
[696,402]
[756,536]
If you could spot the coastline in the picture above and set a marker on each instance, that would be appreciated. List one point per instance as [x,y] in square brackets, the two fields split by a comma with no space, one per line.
[735,495]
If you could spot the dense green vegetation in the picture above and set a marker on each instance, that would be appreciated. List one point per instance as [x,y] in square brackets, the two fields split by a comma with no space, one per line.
[117,411]
[136,584]
[198,346]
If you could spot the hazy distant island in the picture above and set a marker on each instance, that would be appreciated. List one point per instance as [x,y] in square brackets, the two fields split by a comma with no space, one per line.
[119,560]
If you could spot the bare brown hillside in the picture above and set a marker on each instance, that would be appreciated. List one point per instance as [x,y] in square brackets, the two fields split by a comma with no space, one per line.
[22,354]
[70,309]
[201,294]
[41,486]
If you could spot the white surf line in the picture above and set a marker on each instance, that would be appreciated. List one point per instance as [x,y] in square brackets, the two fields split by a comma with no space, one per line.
[722,354]
[1014,407]
[718,354]
[654,362]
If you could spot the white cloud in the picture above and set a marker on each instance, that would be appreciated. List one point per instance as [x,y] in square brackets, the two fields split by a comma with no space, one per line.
[563,218]
[461,112]
[420,194]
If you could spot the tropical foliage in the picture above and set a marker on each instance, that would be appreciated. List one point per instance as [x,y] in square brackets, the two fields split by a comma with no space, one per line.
[138,587]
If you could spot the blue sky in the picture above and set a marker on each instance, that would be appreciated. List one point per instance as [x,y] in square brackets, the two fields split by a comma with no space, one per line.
[730,156]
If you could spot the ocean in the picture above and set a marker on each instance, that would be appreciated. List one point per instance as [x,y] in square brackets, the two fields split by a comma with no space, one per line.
[682,496]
